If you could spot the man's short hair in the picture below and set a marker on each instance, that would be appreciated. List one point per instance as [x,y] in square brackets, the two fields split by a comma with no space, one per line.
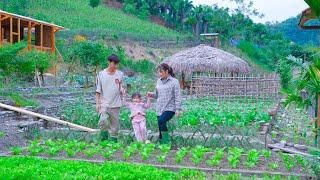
[114,58]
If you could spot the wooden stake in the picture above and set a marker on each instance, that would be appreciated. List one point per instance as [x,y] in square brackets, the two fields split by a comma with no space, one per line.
[48,118]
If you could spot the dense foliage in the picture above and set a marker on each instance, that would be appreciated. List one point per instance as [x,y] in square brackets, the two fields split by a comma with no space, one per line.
[14,63]
[235,27]
[291,31]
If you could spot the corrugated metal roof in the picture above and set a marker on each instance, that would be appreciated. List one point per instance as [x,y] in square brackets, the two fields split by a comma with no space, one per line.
[31,19]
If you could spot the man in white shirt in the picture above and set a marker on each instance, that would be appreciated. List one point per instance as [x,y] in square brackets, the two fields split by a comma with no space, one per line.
[108,98]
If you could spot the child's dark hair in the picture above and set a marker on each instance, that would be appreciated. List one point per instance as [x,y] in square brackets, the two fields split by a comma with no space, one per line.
[136,94]
[113,58]
[166,67]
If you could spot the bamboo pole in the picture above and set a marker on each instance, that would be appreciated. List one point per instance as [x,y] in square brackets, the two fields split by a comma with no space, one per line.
[48,118]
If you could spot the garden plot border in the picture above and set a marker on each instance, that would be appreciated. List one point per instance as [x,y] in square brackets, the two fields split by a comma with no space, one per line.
[177,167]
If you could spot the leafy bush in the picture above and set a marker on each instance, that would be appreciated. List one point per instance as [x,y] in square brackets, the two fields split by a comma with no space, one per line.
[94,3]
[7,56]
[139,9]
[27,62]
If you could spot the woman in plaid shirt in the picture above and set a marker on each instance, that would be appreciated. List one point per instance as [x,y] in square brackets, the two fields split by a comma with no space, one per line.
[168,98]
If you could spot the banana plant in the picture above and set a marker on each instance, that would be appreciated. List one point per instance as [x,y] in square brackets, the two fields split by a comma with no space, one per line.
[315,6]
[307,81]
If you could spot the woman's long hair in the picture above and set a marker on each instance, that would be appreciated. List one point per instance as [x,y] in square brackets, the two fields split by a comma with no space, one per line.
[166,67]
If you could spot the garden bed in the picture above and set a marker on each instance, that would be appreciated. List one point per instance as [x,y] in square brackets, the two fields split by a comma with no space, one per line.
[231,160]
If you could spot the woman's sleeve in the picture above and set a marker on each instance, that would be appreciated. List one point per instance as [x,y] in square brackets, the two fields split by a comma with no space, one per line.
[177,95]
[155,94]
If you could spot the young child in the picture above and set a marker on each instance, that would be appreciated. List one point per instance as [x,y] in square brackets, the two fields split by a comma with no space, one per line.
[137,108]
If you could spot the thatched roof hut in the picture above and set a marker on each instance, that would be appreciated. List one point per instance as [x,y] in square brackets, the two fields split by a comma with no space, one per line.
[204,58]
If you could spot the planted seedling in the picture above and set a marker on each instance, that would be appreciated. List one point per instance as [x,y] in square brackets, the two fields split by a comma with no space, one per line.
[165,149]
[15,150]
[146,151]
[2,134]
[273,166]
[53,151]
[180,154]
[197,154]
[266,154]
[252,158]
[300,161]
[82,145]
[34,148]
[130,150]
[287,161]
[50,143]
[234,155]
[216,158]
[90,152]
[107,153]
[70,152]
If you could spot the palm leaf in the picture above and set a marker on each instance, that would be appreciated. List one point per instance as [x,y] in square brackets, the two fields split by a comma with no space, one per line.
[315,6]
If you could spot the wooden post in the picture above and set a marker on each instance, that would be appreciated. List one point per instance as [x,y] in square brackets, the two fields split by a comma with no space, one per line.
[41,37]
[0,31]
[29,36]
[52,39]
[19,36]
[11,28]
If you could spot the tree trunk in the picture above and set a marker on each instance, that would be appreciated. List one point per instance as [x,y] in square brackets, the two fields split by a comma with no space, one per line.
[318,111]
[42,79]
[198,30]
[205,28]
[95,76]
[87,81]
[317,122]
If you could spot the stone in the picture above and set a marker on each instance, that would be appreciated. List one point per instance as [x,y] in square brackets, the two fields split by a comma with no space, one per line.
[289,144]
[282,143]
[275,150]
[300,147]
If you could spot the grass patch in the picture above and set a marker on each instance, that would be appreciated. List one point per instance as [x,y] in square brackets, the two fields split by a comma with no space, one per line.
[78,16]
[21,101]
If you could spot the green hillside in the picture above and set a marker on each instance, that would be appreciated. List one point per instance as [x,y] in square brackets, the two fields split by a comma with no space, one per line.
[78,16]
